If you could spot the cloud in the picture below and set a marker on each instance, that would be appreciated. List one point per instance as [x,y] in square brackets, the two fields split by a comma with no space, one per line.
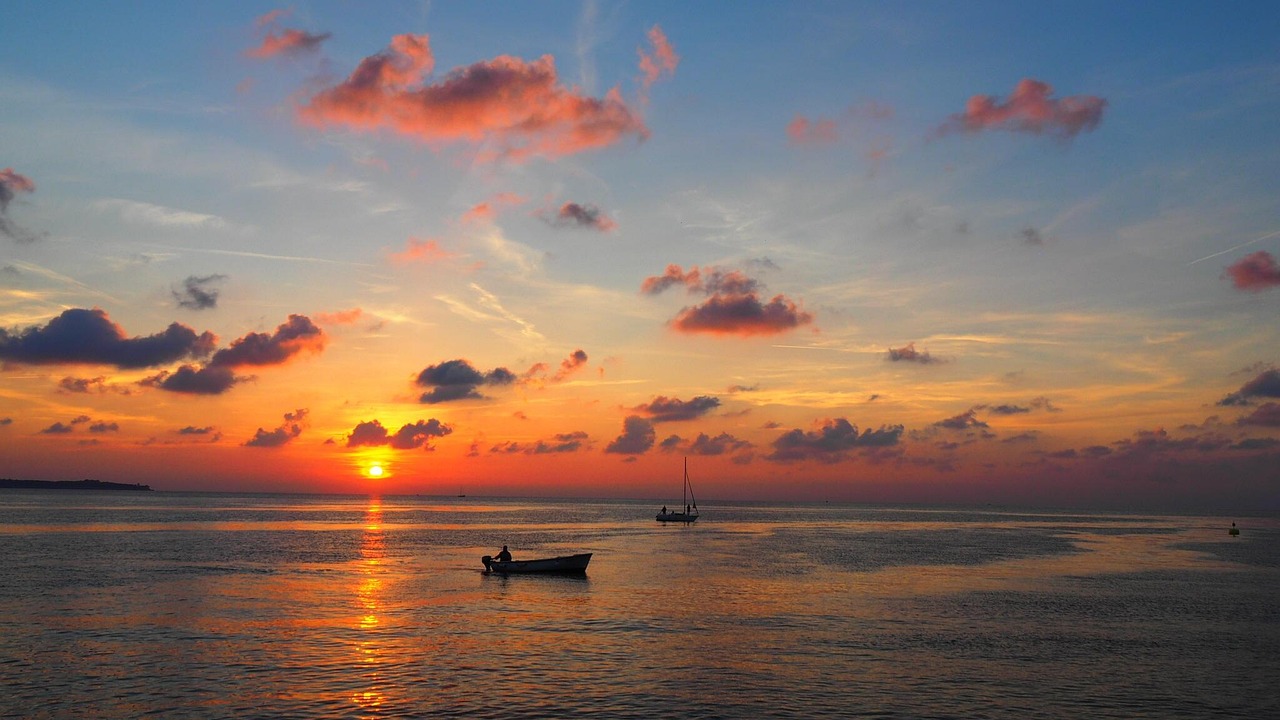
[664,409]
[802,131]
[291,338]
[734,306]
[831,442]
[1031,236]
[341,317]
[297,335]
[196,295]
[287,42]
[12,183]
[290,429]
[458,380]
[193,430]
[57,428]
[1255,272]
[570,365]
[742,315]
[488,209]
[910,354]
[90,337]
[662,61]
[582,216]
[519,107]
[1029,109]
[964,421]
[409,437]
[636,438]
[704,444]
[83,385]
[559,443]
[104,427]
[1267,415]
[1265,384]
[421,251]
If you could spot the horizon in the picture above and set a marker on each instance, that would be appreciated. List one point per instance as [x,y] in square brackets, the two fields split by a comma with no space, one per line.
[829,251]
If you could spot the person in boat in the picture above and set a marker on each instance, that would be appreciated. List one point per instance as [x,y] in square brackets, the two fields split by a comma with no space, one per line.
[686,509]
[504,555]
[664,509]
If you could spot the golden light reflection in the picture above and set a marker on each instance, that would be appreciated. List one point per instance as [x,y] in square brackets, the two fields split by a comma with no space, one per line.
[369,599]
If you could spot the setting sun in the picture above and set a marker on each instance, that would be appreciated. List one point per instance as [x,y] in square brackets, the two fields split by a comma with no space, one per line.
[375,471]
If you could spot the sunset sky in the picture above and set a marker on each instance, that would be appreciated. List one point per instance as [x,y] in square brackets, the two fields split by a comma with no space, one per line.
[848,251]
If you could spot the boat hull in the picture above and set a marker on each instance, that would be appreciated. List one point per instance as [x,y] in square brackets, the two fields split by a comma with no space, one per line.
[676,517]
[566,564]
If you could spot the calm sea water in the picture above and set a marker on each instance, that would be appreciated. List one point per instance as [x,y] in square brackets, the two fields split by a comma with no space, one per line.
[132,605]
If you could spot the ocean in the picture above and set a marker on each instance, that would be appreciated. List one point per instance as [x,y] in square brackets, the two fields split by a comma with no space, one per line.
[191,605]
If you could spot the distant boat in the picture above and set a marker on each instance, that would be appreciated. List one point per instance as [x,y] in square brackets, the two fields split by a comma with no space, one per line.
[566,565]
[690,503]
[1234,530]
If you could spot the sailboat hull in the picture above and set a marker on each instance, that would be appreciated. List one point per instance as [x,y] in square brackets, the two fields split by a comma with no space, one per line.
[676,517]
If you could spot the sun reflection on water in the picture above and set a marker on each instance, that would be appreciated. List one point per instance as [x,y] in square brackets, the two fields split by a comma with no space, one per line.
[369,592]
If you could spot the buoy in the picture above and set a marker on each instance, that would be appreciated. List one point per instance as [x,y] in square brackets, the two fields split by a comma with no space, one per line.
[1234,530]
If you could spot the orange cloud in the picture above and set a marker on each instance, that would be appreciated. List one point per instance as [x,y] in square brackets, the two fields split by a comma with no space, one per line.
[1030,109]
[742,315]
[519,106]
[489,209]
[342,317]
[424,251]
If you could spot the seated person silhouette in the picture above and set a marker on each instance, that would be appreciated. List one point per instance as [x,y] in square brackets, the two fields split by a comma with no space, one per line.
[504,555]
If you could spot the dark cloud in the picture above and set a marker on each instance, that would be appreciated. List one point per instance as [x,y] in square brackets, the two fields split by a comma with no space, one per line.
[964,421]
[290,339]
[582,216]
[559,443]
[1031,236]
[1256,444]
[193,430]
[82,385]
[832,442]
[458,380]
[296,335]
[195,380]
[12,183]
[722,444]
[196,293]
[1008,409]
[410,435]
[1266,384]
[57,429]
[90,337]
[102,427]
[636,438]
[664,409]
[910,354]
[6,421]
[1255,272]
[733,306]
[1268,415]
[290,429]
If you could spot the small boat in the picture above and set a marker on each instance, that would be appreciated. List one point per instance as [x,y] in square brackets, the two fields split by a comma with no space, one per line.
[689,503]
[565,564]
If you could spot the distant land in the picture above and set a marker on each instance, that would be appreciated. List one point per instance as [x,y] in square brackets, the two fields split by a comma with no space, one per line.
[69,485]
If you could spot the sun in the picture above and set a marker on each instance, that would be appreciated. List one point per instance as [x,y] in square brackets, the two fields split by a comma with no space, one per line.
[375,470]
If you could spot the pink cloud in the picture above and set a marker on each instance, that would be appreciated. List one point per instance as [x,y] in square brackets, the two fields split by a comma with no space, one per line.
[803,131]
[287,42]
[662,61]
[12,182]
[423,251]
[519,106]
[1029,109]
[271,17]
[1255,272]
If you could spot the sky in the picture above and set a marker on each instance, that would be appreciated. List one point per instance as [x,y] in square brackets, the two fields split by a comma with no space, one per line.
[925,252]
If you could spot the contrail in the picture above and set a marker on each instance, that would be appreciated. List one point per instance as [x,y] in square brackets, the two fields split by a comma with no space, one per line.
[1268,236]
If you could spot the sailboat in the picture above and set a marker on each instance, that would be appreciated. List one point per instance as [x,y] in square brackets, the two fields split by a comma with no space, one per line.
[690,503]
